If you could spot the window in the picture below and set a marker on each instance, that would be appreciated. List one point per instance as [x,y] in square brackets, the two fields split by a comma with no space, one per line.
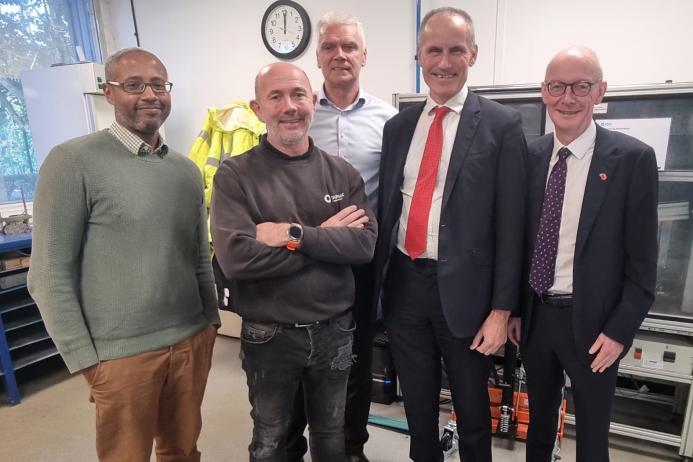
[34,33]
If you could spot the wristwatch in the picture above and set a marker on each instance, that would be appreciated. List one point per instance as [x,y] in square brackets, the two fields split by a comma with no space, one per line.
[295,233]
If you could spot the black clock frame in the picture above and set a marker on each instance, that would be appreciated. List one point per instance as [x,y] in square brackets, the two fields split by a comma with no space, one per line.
[302,45]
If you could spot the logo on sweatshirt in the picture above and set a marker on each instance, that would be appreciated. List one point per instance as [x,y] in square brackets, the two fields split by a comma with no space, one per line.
[333,198]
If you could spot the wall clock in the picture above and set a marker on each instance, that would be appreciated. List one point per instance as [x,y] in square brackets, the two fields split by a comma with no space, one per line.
[285,29]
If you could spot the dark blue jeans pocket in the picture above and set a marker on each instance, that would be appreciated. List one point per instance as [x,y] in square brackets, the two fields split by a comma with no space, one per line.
[258,333]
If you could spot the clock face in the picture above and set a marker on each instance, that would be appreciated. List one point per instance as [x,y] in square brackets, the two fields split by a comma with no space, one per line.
[286,29]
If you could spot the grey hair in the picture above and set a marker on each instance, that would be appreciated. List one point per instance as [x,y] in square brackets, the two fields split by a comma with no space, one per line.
[447,11]
[343,19]
[113,59]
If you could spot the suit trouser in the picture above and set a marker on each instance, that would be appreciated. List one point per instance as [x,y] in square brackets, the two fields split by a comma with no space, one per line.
[154,395]
[358,400]
[360,378]
[419,337]
[549,351]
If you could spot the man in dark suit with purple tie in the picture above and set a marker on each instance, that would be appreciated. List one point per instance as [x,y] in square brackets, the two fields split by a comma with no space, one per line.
[591,261]
[449,256]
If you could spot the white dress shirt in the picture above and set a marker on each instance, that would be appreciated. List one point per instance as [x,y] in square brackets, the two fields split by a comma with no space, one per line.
[411,168]
[578,164]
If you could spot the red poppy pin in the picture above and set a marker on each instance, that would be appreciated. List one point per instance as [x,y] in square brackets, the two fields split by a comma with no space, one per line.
[603,176]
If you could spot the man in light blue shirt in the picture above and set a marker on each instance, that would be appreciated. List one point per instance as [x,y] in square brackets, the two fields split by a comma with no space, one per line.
[353,131]
[348,123]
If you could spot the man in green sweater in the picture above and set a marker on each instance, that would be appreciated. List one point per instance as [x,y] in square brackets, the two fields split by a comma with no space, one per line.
[121,273]
[288,221]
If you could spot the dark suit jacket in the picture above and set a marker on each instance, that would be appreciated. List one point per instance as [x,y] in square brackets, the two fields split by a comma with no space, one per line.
[482,219]
[615,261]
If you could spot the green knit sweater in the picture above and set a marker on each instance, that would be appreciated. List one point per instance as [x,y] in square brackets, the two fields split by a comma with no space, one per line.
[120,259]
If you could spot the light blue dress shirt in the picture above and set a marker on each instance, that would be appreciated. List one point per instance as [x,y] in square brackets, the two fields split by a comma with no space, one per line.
[354,133]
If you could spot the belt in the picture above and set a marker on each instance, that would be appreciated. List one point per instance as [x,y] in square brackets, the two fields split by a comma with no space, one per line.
[556,301]
[299,325]
[421,263]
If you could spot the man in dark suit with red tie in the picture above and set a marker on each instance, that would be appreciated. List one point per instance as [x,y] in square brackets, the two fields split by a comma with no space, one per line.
[449,255]
[591,261]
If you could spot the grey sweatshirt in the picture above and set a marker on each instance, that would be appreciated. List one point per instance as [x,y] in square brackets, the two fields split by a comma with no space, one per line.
[274,284]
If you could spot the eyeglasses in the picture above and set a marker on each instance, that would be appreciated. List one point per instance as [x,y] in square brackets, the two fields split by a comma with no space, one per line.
[579,88]
[136,87]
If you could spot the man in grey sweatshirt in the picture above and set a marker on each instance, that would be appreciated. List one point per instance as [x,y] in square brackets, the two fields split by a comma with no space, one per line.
[288,221]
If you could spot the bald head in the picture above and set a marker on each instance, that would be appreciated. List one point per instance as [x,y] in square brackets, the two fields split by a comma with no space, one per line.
[573,85]
[285,102]
[580,56]
[278,71]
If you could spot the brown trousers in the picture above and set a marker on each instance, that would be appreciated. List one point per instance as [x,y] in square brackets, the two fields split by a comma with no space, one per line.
[154,395]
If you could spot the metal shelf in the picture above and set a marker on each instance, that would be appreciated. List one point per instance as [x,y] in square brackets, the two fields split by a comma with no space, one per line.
[16,305]
[654,374]
[39,355]
[636,432]
[23,337]
[9,272]
[28,340]
[670,326]
[12,289]
[19,323]
[678,176]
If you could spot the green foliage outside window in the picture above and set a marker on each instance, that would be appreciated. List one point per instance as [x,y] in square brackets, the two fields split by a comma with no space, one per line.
[34,34]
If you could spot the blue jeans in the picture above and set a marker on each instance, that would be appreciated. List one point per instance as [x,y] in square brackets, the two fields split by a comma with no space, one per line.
[276,359]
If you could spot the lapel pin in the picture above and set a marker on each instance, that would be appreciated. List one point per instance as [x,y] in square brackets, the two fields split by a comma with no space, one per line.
[603,176]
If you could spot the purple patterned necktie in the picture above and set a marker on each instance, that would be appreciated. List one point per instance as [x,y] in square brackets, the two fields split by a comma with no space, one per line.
[543,270]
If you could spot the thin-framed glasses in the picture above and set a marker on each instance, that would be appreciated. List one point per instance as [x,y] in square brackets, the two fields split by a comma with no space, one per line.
[579,88]
[136,87]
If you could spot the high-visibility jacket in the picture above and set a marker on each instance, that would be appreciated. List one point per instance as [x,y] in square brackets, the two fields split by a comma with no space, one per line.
[227,131]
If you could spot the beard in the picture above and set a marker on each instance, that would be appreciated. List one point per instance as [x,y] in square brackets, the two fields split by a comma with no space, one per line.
[291,138]
[139,124]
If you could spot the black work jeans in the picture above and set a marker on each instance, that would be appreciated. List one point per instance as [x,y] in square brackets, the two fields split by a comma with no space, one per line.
[358,400]
[277,360]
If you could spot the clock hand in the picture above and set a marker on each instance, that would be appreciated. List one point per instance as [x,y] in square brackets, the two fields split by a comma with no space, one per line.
[284,22]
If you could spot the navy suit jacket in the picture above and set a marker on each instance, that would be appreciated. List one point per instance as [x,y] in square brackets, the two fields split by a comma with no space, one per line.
[480,240]
[615,262]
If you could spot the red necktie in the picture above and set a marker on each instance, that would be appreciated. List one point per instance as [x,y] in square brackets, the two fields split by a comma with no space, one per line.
[417,223]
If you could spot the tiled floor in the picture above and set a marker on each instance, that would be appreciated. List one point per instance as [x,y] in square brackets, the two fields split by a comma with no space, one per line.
[54,423]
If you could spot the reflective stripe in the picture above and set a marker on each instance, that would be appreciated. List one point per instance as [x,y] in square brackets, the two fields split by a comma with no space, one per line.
[225,155]
[203,134]
[213,162]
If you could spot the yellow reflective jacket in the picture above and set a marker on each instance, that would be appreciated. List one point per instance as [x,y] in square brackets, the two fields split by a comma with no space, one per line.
[227,131]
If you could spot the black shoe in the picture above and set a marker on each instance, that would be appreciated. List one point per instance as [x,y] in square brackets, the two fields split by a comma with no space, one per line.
[358,458]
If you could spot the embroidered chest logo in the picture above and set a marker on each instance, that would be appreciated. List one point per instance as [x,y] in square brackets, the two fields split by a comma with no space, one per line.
[329,198]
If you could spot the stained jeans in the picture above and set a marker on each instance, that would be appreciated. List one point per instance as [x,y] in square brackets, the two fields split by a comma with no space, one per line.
[277,359]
